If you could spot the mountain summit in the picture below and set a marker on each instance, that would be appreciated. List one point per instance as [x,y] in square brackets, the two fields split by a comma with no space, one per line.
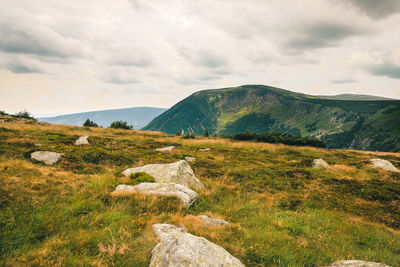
[356,124]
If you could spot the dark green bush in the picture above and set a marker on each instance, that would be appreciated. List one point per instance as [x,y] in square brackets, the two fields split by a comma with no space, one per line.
[89,123]
[24,115]
[121,125]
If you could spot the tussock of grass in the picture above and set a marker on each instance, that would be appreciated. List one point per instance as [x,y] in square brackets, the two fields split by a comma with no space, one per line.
[282,211]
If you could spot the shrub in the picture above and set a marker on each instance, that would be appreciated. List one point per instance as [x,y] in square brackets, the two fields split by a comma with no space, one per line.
[89,123]
[24,115]
[121,125]
[206,134]
[189,136]
[140,177]
[178,133]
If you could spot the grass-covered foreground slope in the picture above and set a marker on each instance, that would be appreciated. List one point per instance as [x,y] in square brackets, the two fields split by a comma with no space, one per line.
[356,124]
[282,211]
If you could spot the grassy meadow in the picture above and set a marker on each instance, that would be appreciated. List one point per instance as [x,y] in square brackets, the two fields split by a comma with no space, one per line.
[282,211]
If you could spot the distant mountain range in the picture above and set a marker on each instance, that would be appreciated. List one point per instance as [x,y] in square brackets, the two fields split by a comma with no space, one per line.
[137,116]
[343,121]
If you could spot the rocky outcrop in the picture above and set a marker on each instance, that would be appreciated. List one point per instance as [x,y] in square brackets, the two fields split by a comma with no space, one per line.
[356,263]
[83,140]
[186,195]
[165,149]
[47,157]
[320,164]
[211,221]
[383,164]
[179,248]
[178,172]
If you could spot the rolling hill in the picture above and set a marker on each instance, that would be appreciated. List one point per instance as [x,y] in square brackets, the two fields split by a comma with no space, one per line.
[137,116]
[356,124]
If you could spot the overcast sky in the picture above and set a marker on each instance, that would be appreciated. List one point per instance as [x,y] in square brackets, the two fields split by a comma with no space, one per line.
[69,56]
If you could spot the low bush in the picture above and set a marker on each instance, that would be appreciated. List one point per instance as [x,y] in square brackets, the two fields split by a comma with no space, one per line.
[121,125]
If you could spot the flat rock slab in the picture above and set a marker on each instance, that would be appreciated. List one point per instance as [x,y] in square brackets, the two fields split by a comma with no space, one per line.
[186,195]
[180,249]
[320,164]
[356,263]
[83,140]
[383,164]
[178,172]
[47,157]
[211,221]
[165,149]
[204,149]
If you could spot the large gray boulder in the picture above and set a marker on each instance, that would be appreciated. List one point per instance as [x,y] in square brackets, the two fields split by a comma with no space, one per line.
[383,164]
[178,172]
[47,157]
[181,249]
[186,195]
[83,140]
[356,263]
[211,221]
[320,164]
[165,149]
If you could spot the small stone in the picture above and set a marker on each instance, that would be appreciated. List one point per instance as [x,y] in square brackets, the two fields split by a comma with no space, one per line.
[356,263]
[383,164]
[165,149]
[320,164]
[211,221]
[83,140]
[204,149]
[190,159]
[48,157]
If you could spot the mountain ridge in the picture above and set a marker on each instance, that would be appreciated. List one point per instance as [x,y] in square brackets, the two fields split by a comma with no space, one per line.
[355,124]
[136,116]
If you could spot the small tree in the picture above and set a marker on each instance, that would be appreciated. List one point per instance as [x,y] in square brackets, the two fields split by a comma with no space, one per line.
[178,133]
[206,134]
[121,125]
[24,115]
[89,123]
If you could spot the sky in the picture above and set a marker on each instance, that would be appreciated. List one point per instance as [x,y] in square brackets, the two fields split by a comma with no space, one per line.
[59,57]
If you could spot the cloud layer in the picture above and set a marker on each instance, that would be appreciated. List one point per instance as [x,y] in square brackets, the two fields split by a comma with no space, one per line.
[58,56]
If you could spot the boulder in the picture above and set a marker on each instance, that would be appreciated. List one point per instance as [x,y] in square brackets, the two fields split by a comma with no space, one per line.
[83,140]
[186,195]
[320,164]
[383,164]
[178,172]
[48,157]
[190,159]
[211,221]
[356,263]
[204,149]
[165,149]
[180,249]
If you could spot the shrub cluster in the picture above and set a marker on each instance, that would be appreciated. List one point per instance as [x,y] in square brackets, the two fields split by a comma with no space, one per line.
[89,123]
[121,125]
[280,138]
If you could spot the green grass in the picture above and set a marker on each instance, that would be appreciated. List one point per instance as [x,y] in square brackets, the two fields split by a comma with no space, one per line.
[282,211]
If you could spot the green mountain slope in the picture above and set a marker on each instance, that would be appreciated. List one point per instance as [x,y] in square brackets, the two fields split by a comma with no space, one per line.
[354,97]
[137,116]
[357,124]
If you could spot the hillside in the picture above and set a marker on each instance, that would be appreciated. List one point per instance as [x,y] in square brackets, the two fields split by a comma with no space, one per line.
[282,211]
[137,116]
[355,124]
[354,97]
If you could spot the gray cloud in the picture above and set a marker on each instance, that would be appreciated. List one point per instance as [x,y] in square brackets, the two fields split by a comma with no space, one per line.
[322,34]
[386,68]
[344,81]
[21,68]
[204,58]
[378,9]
